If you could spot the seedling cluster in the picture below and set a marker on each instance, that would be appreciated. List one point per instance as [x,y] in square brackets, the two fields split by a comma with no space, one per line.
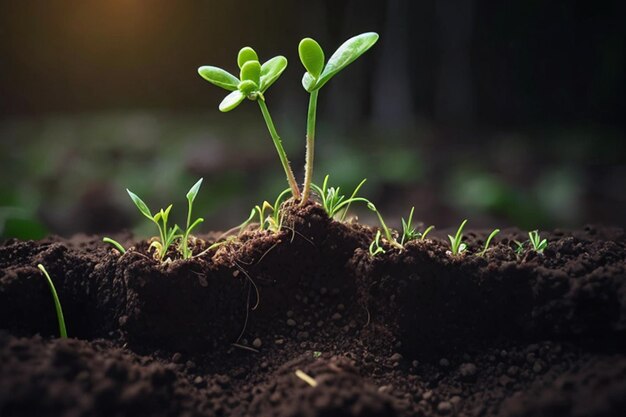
[169,236]
[252,84]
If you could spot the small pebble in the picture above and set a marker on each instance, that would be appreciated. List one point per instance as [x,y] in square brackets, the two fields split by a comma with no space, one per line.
[444,363]
[336,316]
[291,322]
[257,343]
[444,407]
[468,371]
[384,389]
[176,357]
[396,357]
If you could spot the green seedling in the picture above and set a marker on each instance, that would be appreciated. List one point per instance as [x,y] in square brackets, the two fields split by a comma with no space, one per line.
[375,246]
[270,217]
[184,240]
[317,74]
[57,303]
[388,235]
[538,244]
[456,243]
[334,203]
[167,236]
[519,247]
[488,242]
[254,82]
[408,231]
[115,243]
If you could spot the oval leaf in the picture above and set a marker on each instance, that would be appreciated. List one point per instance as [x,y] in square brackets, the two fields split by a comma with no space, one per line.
[143,208]
[193,191]
[271,70]
[219,77]
[231,101]
[308,82]
[251,71]
[345,55]
[311,56]
[246,54]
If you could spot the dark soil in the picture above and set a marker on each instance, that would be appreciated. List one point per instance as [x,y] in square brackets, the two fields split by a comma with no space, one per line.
[237,330]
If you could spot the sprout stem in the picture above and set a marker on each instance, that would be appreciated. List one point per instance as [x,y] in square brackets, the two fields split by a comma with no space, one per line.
[57,303]
[279,147]
[310,147]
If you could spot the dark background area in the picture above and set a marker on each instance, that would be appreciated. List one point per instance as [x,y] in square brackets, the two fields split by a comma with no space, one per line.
[509,113]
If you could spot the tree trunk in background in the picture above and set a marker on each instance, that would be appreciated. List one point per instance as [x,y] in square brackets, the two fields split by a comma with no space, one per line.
[392,105]
[454,98]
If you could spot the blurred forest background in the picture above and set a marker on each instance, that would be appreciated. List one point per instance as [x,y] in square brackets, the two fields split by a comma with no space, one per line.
[508,113]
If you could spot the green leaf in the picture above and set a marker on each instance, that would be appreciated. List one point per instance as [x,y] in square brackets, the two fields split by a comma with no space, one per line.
[140,204]
[166,213]
[246,54]
[308,82]
[193,191]
[345,55]
[219,77]
[311,56]
[271,70]
[251,71]
[231,101]
[194,224]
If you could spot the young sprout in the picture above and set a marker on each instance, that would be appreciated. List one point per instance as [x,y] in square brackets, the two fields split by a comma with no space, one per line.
[255,80]
[388,235]
[538,244]
[115,243]
[408,231]
[166,235]
[184,242]
[456,243]
[375,247]
[317,74]
[488,242]
[57,303]
[334,202]
[519,247]
[272,222]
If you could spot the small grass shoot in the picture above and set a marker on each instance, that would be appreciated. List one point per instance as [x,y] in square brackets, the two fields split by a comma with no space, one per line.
[270,217]
[57,303]
[409,232]
[488,242]
[334,203]
[388,235]
[457,246]
[375,246]
[538,244]
[185,251]
[167,235]
[115,243]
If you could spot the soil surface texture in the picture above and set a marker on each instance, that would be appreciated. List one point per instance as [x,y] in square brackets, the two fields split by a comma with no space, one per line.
[306,322]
